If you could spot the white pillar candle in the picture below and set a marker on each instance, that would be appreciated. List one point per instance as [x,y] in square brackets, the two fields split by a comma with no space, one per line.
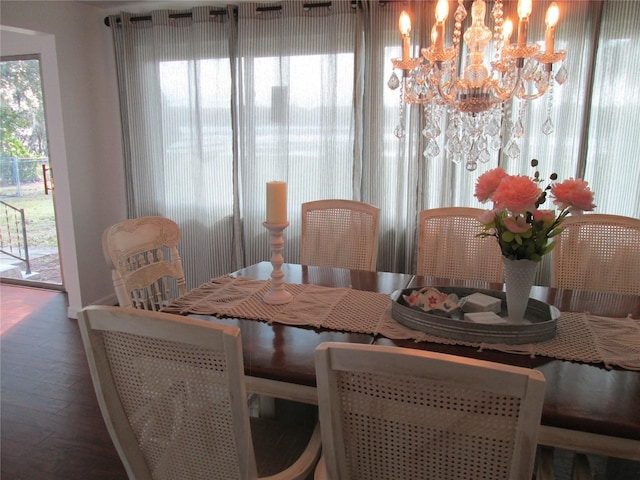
[276,202]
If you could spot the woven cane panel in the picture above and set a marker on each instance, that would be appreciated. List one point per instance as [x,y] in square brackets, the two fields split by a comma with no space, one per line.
[580,336]
[599,255]
[340,238]
[448,248]
[177,402]
[401,427]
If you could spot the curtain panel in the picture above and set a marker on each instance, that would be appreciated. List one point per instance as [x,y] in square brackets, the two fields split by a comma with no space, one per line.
[219,100]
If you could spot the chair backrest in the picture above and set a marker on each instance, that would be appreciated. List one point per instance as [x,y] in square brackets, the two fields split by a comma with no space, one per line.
[598,252]
[172,393]
[390,412]
[448,246]
[145,265]
[340,233]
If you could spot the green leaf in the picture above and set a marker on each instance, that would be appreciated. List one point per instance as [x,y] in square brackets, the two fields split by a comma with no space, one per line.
[507,236]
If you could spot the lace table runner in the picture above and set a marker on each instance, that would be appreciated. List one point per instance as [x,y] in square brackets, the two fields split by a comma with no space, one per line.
[580,336]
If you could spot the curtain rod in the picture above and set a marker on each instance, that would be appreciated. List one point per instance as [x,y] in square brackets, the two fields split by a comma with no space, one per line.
[268,8]
[143,18]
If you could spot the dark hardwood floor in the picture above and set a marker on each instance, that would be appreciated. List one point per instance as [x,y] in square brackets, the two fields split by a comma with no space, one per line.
[51,426]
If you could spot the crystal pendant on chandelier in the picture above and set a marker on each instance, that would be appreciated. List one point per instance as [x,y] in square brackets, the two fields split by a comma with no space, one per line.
[562,76]
[394,81]
[547,126]
[473,101]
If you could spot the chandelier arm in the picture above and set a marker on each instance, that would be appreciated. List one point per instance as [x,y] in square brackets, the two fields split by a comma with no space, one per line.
[503,93]
[533,96]
[449,90]
[539,92]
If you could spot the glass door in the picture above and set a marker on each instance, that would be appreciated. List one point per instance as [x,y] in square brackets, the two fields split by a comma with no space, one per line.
[28,235]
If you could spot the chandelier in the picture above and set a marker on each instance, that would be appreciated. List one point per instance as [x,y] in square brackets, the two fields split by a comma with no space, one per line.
[475,99]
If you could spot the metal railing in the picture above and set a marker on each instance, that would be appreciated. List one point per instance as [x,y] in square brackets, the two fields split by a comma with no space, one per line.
[13,234]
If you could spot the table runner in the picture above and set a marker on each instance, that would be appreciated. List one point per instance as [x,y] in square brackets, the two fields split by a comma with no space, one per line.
[580,336]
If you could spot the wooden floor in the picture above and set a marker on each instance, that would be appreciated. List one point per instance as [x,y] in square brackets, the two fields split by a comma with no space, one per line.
[51,427]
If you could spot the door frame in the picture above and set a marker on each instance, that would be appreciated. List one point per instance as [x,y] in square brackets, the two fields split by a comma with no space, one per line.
[17,42]
[27,281]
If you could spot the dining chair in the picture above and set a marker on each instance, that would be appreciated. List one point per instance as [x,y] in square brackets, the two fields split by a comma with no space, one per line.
[172,393]
[449,248]
[340,233]
[145,264]
[598,252]
[391,412]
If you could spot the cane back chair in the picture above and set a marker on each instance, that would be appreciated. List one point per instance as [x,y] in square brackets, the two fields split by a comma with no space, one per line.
[173,397]
[391,412]
[448,246]
[340,233]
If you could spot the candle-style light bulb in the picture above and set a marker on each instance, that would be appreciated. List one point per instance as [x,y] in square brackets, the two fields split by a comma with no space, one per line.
[405,29]
[551,20]
[404,23]
[507,30]
[442,12]
[524,10]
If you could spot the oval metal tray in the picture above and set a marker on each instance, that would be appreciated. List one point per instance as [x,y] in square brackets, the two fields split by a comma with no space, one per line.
[539,325]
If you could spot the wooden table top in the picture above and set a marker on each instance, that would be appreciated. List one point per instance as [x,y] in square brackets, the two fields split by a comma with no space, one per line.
[583,397]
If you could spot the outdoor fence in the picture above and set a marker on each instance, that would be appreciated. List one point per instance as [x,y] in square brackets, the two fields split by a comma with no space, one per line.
[15,172]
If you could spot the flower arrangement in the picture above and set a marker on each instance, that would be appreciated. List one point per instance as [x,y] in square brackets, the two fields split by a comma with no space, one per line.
[523,230]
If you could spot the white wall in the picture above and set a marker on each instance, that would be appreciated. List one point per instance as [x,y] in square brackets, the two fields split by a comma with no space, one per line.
[84,131]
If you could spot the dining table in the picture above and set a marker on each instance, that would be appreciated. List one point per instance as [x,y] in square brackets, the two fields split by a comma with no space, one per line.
[590,406]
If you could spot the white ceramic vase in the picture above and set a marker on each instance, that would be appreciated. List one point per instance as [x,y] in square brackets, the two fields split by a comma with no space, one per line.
[519,276]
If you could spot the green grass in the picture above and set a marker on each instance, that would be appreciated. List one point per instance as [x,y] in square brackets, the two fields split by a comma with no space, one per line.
[38,211]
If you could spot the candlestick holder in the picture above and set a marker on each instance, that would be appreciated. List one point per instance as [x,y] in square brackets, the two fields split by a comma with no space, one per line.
[277,295]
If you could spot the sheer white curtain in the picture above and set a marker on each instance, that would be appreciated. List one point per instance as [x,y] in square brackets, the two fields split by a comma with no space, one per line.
[296,89]
[175,93]
[612,163]
[215,106]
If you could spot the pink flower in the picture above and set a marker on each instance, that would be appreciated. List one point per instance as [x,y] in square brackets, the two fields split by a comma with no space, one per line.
[487,216]
[517,194]
[547,216]
[575,194]
[488,182]
[516,224]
